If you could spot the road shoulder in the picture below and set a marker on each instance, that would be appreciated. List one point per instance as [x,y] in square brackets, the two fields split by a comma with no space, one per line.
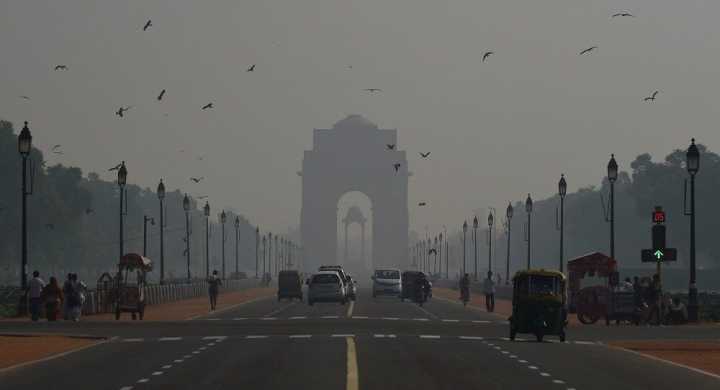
[700,356]
[20,350]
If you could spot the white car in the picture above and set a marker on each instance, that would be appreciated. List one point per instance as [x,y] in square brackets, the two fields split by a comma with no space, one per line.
[326,286]
[387,281]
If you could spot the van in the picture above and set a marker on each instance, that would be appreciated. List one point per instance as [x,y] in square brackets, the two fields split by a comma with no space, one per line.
[289,285]
[386,281]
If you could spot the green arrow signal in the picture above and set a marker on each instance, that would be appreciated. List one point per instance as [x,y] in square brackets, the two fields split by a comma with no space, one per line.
[659,254]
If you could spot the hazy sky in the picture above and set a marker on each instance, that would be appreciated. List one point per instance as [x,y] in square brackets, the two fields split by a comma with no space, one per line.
[496,130]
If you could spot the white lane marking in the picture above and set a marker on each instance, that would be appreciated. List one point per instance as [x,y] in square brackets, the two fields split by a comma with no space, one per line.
[429,336]
[450,320]
[239,319]
[342,335]
[268,318]
[383,336]
[177,361]
[491,344]
[330,317]
[211,344]
[126,388]
[505,338]
[481,322]
[170,338]
[522,361]
[143,380]
[167,366]
[533,367]
[187,356]
[558,381]
[156,373]
[298,318]
[390,318]
[544,374]
[212,319]
[202,348]
[498,348]
[300,336]
[352,382]
[361,317]
[585,342]
[504,352]
[218,338]
[421,319]
[513,356]
[351,307]
[470,338]
[256,336]
[195,352]
[133,340]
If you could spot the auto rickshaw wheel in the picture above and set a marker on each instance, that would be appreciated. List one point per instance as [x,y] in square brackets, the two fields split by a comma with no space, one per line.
[587,319]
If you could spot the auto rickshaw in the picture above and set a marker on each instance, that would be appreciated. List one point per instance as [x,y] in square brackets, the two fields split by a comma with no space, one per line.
[538,304]
[130,283]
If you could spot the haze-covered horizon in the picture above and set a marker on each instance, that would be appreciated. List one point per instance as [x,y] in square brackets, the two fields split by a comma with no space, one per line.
[496,130]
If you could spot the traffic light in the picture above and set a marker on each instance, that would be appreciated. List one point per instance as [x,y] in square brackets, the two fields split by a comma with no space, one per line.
[658,237]
[658,215]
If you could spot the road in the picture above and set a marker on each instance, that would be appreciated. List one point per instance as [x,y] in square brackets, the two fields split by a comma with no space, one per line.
[370,344]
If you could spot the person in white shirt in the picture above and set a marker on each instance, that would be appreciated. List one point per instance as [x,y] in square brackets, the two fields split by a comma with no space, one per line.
[489,290]
[35,288]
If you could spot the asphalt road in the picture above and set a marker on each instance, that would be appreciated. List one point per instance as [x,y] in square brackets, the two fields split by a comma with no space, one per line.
[370,344]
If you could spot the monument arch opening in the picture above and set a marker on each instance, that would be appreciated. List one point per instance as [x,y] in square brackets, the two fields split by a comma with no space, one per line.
[354,233]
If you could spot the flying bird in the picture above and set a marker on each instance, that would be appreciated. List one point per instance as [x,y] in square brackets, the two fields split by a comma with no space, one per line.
[61,67]
[397,166]
[197,179]
[588,50]
[424,155]
[202,197]
[372,90]
[121,111]
[487,54]
[209,105]
[89,211]
[25,97]
[162,93]
[147,25]
[391,146]
[623,13]
[651,97]
[58,152]
[422,204]
[200,158]
[251,68]
[55,147]
[115,168]
[49,226]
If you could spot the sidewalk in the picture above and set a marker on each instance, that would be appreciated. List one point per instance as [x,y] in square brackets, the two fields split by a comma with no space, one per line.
[21,349]
[703,355]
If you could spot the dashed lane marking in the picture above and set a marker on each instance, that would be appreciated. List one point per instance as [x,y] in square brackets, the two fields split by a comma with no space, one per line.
[178,361]
[533,367]
[481,322]
[167,366]
[330,317]
[239,319]
[450,320]
[143,380]
[361,317]
[268,318]
[429,336]
[342,335]
[298,318]
[421,319]
[218,338]
[300,336]
[136,340]
[214,319]
[157,373]
[545,374]
[256,336]
[383,336]
[558,382]
[470,338]
[170,338]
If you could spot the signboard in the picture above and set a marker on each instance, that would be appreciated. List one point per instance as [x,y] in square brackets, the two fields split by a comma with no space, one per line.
[658,255]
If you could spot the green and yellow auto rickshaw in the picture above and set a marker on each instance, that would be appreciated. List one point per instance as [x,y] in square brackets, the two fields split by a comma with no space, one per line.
[539,304]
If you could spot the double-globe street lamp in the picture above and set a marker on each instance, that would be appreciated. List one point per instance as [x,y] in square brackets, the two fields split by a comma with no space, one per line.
[122,181]
[562,191]
[186,207]
[161,197]
[257,249]
[206,210]
[223,219]
[475,228]
[692,163]
[528,210]
[24,148]
[237,246]
[491,220]
[612,175]
[464,228]
[146,219]
[508,216]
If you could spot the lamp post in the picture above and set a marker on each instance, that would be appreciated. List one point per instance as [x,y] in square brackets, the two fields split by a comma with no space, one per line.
[612,174]
[447,254]
[475,228]
[464,228]
[146,219]
[223,219]
[237,246]
[24,148]
[435,245]
[206,209]
[161,197]
[528,210]
[508,216]
[440,239]
[257,249]
[693,166]
[491,219]
[562,191]
[277,255]
[264,243]
[270,264]
[186,207]
[122,180]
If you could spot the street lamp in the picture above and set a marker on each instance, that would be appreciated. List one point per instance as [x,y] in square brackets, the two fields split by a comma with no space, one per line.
[186,207]
[528,210]
[693,166]
[440,239]
[24,148]
[277,255]
[257,249]
[122,180]
[206,209]
[491,219]
[464,227]
[270,264]
[612,175]
[508,216]
[237,246]
[475,228]
[146,219]
[264,243]
[447,254]
[161,196]
[562,191]
[223,219]
[435,245]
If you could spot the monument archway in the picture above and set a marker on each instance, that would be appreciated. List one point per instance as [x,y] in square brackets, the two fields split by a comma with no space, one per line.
[354,156]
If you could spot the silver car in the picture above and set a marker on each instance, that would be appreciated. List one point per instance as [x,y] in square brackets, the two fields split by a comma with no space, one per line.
[387,281]
[326,286]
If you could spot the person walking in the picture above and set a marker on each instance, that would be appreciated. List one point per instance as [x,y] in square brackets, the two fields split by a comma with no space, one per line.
[53,296]
[76,298]
[489,290]
[67,291]
[35,289]
[214,283]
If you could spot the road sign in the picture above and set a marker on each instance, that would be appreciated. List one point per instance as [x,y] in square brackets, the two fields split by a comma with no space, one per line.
[658,255]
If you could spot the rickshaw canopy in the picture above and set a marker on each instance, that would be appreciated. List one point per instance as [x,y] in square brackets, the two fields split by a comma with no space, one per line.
[595,263]
[539,272]
[132,261]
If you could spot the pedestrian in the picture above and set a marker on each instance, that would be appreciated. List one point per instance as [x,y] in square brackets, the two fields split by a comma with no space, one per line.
[214,283]
[76,298]
[654,297]
[489,290]
[53,296]
[67,291]
[36,287]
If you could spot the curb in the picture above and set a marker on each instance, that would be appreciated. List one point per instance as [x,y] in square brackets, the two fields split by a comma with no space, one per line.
[66,335]
[52,357]
[697,370]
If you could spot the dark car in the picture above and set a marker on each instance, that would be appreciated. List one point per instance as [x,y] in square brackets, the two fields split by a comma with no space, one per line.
[289,285]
